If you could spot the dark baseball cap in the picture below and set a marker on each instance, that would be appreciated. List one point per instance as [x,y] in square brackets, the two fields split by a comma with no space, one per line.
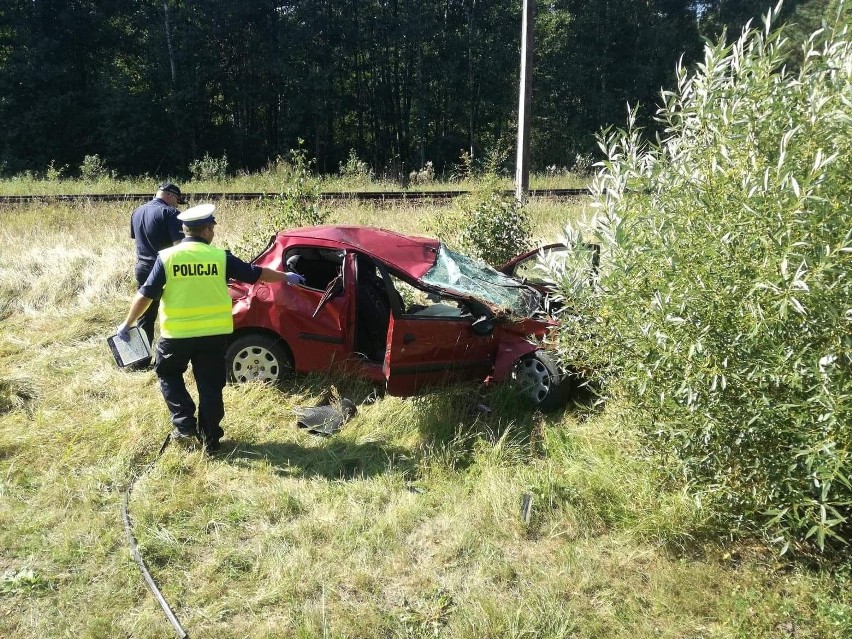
[174,189]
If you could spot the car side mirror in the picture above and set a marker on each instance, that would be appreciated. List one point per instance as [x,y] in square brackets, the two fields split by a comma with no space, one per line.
[334,288]
[483,326]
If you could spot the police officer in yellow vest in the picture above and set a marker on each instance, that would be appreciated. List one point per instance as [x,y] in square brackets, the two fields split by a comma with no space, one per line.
[190,280]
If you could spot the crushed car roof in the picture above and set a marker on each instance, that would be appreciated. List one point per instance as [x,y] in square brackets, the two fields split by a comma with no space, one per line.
[408,254]
[427,260]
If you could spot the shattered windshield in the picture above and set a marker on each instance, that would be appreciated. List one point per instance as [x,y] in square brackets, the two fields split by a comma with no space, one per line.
[468,277]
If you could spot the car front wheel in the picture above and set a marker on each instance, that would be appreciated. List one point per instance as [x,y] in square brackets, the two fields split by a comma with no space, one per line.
[537,377]
[258,358]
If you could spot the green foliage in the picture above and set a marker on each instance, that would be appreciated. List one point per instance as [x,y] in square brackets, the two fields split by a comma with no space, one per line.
[55,173]
[356,170]
[463,170]
[95,168]
[245,79]
[298,204]
[487,223]
[724,308]
[209,168]
[583,164]
[494,228]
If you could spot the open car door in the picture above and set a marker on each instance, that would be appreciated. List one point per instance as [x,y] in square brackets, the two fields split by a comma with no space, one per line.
[524,266]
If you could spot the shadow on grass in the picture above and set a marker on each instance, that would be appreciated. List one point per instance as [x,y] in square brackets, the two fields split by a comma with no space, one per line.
[456,421]
[452,420]
[8,451]
[16,395]
[340,460]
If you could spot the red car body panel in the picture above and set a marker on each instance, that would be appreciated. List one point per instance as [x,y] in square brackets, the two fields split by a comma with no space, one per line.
[419,352]
[424,353]
[515,342]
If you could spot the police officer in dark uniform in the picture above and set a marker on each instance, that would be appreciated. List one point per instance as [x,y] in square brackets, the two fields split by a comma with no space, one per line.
[155,227]
[190,280]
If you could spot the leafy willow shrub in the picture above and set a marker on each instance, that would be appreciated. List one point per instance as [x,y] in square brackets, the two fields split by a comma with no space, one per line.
[724,309]
[298,204]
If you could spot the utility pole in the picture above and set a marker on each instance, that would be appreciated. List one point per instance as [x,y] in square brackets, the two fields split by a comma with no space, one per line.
[169,42]
[522,167]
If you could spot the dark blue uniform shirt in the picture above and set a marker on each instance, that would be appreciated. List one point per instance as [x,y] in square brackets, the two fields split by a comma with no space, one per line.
[235,269]
[155,227]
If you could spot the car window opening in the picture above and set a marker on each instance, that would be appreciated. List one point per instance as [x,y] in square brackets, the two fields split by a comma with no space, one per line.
[318,266]
[421,304]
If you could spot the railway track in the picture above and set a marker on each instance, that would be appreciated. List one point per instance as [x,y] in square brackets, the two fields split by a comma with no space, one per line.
[369,196]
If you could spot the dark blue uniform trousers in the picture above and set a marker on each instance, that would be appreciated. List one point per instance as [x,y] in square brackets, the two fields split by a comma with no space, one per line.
[146,321]
[207,356]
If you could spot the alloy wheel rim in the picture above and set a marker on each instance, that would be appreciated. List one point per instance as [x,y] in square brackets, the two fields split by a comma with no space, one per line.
[255,363]
[533,379]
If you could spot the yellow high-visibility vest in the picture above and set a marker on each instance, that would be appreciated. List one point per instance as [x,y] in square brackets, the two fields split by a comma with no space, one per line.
[195,300]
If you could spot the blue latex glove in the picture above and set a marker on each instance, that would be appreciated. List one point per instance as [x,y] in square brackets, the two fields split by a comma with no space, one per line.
[295,278]
[122,332]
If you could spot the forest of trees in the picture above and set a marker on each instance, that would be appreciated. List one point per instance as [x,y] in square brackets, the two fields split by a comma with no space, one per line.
[151,85]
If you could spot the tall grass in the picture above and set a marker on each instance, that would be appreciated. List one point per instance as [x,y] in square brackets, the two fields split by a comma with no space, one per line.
[273,179]
[405,524]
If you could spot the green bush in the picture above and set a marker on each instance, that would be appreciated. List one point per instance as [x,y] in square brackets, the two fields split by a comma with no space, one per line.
[94,168]
[356,170]
[496,227]
[209,168]
[298,204]
[55,173]
[724,311]
[487,223]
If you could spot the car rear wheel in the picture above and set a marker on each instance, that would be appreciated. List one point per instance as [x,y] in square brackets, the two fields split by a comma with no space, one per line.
[537,377]
[258,358]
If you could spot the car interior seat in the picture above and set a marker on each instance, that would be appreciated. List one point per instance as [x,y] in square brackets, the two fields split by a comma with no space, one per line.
[372,311]
[318,267]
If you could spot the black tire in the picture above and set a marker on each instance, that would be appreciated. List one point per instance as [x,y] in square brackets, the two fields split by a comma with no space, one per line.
[538,378]
[257,357]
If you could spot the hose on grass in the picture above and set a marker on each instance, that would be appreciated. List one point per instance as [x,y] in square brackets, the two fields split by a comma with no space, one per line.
[134,548]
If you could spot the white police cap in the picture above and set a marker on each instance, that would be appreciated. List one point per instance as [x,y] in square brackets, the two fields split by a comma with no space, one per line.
[198,215]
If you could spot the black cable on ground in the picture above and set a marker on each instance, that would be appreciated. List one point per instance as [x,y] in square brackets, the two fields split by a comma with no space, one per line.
[134,549]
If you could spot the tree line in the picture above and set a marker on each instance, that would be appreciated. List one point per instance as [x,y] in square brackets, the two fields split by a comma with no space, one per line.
[151,85]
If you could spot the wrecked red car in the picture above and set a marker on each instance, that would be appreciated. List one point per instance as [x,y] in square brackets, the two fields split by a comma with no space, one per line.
[399,310]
